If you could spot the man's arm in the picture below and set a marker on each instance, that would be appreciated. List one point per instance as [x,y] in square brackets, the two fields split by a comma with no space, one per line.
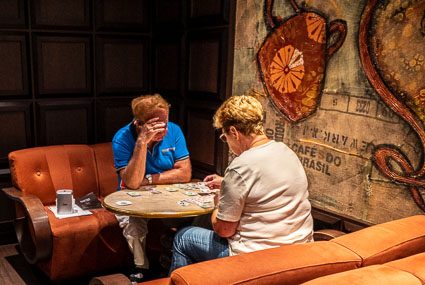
[181,173]
[134,173]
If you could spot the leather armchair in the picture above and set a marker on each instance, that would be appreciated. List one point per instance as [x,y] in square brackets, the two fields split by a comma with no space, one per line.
[71,247]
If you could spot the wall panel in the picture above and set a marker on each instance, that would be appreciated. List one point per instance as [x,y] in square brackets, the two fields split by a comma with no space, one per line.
[63,65]
[13,67]
[112,114]
[169,11]
[207,70]
[65,122]
[204,65]
[122,65]
[12,13]
[209,13]
[201,138]
[167,66]
[123,15]
[64,13]
[15,128]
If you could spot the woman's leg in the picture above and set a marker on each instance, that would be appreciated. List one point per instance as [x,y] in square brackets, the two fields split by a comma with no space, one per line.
[195,244]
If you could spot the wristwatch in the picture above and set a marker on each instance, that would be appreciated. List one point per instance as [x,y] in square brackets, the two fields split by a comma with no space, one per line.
[149,178]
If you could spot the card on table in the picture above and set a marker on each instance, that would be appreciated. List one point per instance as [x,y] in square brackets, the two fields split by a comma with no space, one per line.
[134,194]
[171,189]
[183,203]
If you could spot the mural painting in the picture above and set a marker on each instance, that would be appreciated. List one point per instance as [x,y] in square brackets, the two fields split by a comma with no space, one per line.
[293,57]
[397,72]
[342,88]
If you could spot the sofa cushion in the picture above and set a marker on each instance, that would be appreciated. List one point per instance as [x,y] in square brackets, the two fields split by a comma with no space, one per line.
[293,263]
[374,274]
[43,170]
[414,264]
[387,241]
[85,244]
[108,177]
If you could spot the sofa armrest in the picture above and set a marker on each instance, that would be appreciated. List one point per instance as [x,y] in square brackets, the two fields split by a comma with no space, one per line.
[32,225]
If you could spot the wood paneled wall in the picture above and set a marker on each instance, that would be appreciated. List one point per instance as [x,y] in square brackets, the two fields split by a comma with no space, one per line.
[69,69]
[192,66]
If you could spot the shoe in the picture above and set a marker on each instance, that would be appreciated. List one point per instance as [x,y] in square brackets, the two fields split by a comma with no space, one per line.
[138,275]
[136,278]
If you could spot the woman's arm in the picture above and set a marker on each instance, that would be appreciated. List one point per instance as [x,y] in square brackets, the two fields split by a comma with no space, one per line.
[223,228]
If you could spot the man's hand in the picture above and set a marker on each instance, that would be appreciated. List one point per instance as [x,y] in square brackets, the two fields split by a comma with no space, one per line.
[213,181]
[152,127]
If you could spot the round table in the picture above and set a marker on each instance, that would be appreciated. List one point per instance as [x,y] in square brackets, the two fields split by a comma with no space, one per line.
[150,205]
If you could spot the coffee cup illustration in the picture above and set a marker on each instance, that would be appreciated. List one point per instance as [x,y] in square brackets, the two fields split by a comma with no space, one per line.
[292,59]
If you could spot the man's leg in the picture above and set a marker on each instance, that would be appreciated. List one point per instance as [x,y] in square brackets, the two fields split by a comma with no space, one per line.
[135,231]
[195,244]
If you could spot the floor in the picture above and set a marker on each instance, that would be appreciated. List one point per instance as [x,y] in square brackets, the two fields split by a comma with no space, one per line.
[14,270]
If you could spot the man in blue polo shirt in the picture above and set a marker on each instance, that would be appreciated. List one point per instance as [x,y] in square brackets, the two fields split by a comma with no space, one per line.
[149,150]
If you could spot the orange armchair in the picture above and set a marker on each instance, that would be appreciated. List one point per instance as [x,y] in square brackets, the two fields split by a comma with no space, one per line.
[71,247]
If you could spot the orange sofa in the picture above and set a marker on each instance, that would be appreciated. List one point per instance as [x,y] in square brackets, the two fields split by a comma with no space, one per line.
[71,247]
[295,264]
[406,271]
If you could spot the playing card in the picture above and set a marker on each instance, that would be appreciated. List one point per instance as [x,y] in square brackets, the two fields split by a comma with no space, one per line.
[171,189]
[134,194]
[155,191]
[183,203]
[189,193]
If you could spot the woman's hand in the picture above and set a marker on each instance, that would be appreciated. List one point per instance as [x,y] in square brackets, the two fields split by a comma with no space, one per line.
[213,181]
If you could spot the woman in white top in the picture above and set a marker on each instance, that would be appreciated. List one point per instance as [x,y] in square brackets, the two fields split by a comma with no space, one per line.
[263,198]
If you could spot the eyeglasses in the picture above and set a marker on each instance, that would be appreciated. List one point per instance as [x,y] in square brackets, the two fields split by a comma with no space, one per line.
[223,138]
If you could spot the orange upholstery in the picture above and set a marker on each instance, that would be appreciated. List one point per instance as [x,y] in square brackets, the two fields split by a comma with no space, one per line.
[375,274]
[43,170]
[388,241]
[294,264]
[414,264]
[84,244]
[108,180]
[80,245]
[409,270]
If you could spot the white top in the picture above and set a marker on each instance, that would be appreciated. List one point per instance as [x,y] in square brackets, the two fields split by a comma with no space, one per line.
[265,189]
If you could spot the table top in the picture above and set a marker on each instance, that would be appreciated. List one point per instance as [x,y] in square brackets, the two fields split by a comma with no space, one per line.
[162,201]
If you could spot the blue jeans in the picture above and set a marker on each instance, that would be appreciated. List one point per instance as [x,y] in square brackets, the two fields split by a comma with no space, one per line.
[195,244]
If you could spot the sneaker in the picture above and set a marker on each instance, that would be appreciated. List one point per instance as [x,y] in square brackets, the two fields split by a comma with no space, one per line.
[138,275]
[136,278]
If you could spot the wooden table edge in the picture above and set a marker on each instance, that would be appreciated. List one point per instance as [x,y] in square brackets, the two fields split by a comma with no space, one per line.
[121,211]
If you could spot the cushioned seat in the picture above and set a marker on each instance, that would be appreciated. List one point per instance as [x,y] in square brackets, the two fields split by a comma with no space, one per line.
[387,241]
[374,274]
[409,270]
[71,247]
[294,264]
[84,244]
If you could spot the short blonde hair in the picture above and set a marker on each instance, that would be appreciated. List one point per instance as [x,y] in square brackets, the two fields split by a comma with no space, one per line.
[143,106]
[243,112]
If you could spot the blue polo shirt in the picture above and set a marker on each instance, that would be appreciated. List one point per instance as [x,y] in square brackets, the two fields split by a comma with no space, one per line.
[165,153]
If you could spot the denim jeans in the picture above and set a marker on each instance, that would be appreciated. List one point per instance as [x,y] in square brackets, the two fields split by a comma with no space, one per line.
[195,244]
